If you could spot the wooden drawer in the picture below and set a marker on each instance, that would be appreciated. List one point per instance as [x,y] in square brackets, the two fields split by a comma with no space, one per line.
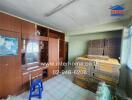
[36,73]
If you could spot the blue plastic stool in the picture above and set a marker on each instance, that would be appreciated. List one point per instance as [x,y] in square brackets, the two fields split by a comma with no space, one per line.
[36,88]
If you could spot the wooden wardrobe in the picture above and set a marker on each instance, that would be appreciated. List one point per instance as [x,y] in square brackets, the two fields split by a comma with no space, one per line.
[14,78]
[53,55]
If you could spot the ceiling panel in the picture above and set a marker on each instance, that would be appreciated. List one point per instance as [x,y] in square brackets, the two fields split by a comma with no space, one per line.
[76,16]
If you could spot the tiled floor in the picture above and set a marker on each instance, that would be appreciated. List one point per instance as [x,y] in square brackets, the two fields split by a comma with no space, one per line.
[60,88]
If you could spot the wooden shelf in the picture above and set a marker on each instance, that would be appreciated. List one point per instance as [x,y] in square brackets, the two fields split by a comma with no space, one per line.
[43,38]
[44,50]
[42,31]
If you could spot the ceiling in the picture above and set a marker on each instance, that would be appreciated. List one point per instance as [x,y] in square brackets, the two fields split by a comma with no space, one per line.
[74,17]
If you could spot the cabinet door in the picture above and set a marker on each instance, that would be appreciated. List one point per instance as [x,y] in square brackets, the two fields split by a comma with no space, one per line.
[10,70]
[15,25]
[11,74]
[53,55]
[28,29]
[9,23]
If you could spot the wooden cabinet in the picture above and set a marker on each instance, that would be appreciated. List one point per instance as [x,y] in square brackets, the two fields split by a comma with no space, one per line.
[61,53]
[62,49]
[9,23]
[28,29]
[25,78]
[10,75]
[61,37]
[11,78]
[66,51]
[53,55]
[25,81]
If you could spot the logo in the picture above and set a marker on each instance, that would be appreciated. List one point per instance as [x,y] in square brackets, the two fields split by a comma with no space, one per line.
[117,10]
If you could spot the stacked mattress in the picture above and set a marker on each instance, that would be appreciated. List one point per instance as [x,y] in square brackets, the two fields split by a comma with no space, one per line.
[90,70]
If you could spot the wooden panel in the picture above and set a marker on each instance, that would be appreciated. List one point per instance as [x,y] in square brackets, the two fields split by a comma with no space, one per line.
[110,47]
[53,55]
[61,36]
[62,49]
[114,42]
[43,38]
[25,78]
[96,43]
[28,29]
[44,52]
[12,77]
[113,52]
[106,67]
[113,47]
[53,34]
[36,73]
[95,51]
[61,53]
[95,47]
[9,23]
[15,25]
[11,70]
[53,50]
[25,82]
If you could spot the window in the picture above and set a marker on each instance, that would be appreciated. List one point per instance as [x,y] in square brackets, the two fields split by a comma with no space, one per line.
[32,52]
[129,63]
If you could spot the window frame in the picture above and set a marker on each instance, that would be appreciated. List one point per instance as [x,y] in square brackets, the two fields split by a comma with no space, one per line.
[129,64]
[25,49]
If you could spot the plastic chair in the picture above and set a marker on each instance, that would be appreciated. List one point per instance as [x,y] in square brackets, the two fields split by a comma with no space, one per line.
[36,88]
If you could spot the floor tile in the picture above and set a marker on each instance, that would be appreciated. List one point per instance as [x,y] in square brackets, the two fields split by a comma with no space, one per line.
[60,88]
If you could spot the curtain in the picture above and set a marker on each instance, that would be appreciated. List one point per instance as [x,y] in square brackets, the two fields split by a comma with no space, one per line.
[129,62]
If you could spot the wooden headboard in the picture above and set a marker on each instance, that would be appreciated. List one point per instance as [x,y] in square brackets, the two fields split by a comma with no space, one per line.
[109,47]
